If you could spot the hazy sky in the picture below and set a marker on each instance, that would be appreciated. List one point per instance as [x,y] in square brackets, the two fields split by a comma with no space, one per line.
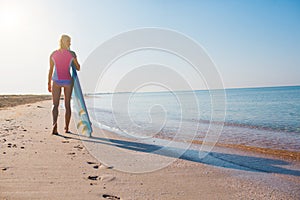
[253,43]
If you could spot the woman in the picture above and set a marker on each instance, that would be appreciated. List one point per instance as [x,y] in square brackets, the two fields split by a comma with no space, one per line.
[60,62]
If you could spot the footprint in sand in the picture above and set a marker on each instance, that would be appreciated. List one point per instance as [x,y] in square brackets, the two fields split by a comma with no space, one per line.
[96,166]
[78,147]
[112,197]
[4,168]
[93,178]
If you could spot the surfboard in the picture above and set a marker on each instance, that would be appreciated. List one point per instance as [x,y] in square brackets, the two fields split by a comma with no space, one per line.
[81,117]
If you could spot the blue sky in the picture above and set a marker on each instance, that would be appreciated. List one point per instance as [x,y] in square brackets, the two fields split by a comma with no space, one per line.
[253,43]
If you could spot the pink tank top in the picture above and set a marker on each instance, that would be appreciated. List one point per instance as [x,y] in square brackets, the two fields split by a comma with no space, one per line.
[62,62]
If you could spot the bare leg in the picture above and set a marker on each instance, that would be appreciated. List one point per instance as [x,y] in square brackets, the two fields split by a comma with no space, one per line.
[56,91]
[67,94]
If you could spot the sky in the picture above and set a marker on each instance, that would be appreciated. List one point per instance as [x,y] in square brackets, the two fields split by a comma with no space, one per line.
[253,43]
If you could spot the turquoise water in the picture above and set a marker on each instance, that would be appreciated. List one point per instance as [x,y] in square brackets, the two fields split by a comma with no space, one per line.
[263,117]
[276,108]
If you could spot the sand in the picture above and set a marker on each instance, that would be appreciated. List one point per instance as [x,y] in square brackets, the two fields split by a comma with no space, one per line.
[36,165]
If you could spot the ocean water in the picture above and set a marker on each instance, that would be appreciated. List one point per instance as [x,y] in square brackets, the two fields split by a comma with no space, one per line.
[262,117]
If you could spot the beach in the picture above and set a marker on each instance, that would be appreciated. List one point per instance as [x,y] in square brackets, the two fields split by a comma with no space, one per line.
[37,165]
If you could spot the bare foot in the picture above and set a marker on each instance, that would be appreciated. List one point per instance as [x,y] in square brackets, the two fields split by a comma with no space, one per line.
[67,130]
[54,130]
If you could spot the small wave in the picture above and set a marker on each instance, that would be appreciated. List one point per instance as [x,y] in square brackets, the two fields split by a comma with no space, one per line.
[266,127]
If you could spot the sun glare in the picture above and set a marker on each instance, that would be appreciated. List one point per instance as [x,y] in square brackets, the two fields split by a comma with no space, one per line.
[10,16]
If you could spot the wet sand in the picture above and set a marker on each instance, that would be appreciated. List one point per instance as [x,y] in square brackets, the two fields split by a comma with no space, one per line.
[36,165]
[284,154]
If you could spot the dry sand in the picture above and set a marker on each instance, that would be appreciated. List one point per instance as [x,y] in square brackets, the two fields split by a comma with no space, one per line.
[36,165]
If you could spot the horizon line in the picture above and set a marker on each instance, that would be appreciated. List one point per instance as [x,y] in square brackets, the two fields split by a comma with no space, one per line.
[228,88]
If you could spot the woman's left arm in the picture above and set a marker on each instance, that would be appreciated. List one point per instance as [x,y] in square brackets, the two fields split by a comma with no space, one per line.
[77,65]
[75,61]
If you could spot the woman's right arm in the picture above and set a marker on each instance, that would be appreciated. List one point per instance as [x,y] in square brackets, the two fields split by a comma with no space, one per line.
[50,74]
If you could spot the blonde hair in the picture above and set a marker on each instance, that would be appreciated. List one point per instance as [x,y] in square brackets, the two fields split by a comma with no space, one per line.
[63,40]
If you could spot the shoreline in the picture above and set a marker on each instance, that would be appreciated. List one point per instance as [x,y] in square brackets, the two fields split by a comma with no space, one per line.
[37,165]
[7,101]
[277,153]
[290,155]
